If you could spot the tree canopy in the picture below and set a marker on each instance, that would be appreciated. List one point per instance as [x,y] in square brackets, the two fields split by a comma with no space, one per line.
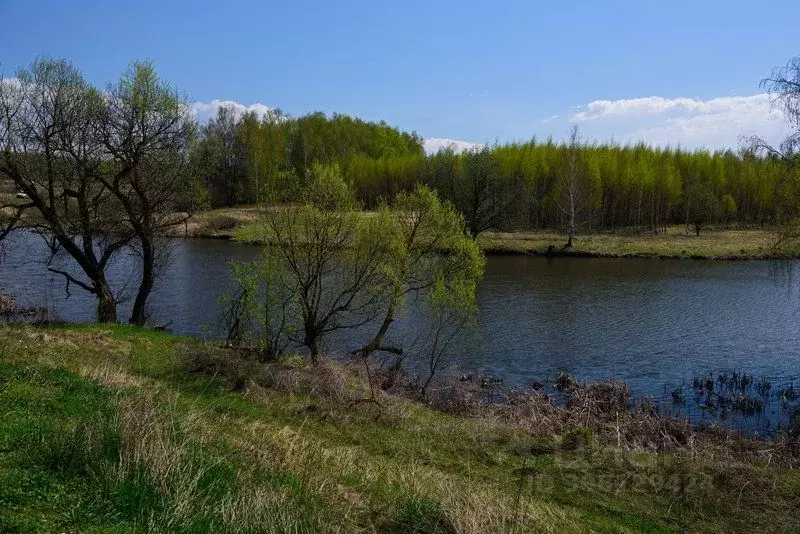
[501,187]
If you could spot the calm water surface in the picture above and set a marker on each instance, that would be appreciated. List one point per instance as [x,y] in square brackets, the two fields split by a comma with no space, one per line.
[653,323]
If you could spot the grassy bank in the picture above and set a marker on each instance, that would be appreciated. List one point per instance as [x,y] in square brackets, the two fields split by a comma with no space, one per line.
[240,224]
[675,243]
[112,429]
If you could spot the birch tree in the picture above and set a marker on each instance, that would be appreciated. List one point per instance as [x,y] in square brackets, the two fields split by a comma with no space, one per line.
[570,193]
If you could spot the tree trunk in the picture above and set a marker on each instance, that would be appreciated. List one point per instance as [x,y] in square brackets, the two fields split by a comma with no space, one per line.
[138,314]
[313,345]
[377,341]
[106,305]
[311,339]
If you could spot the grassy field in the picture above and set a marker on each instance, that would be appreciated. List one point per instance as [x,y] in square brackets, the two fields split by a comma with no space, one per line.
[113,429]
[240,224]
[675,243]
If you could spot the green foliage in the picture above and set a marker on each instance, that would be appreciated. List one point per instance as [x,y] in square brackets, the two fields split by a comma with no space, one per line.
[512,186]
[317,138]
[79,457]
[421,516]
[326,189]
[484,194]
[247,159]
[427,256]
[220,158]
[321,258]
[260,312]
[328,266]
[702,204]
[426,239]
[728,207]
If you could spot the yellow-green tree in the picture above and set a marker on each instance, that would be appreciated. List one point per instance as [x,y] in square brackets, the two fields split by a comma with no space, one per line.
[428,257]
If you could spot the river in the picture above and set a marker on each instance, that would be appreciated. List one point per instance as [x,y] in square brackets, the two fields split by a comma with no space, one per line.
[653,323]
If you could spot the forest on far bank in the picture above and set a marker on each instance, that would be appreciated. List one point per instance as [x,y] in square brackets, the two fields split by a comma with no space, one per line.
[246,159]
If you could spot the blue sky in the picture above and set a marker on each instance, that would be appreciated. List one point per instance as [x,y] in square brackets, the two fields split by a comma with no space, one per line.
[664,72]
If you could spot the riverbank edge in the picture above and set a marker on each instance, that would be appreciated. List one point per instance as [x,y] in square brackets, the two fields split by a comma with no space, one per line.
[471,459]
[238,225]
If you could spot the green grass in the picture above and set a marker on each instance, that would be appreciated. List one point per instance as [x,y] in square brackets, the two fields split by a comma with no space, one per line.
[102,429]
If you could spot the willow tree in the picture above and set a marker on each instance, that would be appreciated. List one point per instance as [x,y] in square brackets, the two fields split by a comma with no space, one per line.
[50,151]
[261,312]
[784,87]
[329,258]
[427,256]
[146,129]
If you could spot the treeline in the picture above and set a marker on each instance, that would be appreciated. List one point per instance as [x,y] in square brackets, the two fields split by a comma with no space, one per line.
[246,159]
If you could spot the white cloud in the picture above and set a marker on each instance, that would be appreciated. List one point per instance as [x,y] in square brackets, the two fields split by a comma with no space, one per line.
[435,144]
[687,122]
[206,110]
[692,123]
[12,81]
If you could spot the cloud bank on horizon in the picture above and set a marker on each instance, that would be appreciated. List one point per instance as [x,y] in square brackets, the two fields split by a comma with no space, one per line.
[206,110]
[716,123]
[433,145]
[691,123]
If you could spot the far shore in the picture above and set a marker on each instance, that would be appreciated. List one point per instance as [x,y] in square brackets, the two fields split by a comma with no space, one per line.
[240,224]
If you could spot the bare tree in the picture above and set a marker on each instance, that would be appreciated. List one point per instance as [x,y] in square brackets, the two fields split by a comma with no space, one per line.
[446,322]
[570,194]
[49,151]
[783,86]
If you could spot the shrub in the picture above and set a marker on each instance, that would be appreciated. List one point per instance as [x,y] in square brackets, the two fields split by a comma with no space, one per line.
[419,516]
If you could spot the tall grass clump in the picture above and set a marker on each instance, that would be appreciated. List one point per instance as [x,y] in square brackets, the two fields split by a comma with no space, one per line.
[147,466]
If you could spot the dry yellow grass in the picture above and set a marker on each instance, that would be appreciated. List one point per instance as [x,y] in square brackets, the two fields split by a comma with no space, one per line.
[726,244]
[294,451]
[675,243]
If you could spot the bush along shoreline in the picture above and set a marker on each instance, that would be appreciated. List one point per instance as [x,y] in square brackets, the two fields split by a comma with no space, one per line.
[129,429]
